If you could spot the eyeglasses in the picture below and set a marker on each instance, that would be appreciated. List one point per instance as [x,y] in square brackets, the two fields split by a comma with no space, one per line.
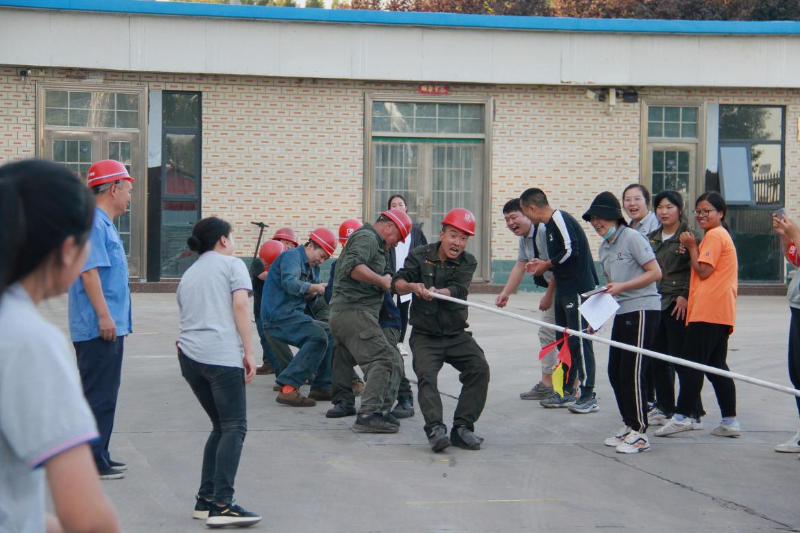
[703,212]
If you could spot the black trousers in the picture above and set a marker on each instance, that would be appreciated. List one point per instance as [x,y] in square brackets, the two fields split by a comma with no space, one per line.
[706,344]
[794,352]
[626,370]
[403,306]
[100,367]
[669,339]
[581,350]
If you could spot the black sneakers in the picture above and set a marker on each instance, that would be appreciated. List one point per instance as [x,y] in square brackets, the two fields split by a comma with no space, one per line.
[374,423]
[341,410]
[230,515]
[201,508]
[437,438]
[464,438]
[111,473]
[117,466]
[404,407]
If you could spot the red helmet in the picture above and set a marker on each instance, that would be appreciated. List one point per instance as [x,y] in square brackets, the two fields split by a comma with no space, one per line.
[287,234]
[462,219]
[347,228]
[401,220]
[325,238]
[107,171]
[269,251]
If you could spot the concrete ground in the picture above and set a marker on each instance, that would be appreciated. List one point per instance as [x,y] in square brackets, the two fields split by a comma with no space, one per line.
[539,470]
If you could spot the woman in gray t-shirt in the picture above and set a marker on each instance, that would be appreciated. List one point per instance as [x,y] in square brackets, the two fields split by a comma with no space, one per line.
[45,423]
[215,351]
[631,271]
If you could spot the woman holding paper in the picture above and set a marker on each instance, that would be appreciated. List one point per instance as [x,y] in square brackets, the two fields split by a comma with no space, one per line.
[710,318]
[631,271]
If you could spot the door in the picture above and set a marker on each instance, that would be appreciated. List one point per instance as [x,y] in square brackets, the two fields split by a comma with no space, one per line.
[434,176]
[674,166]
[78,149]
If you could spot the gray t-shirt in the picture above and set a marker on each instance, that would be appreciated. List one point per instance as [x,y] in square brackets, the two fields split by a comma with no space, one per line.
[527,251]
[42,409]
[205,303]
[624,259]
[794,291]
[647,225]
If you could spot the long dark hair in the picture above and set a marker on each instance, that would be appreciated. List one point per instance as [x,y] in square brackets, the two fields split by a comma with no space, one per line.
[392,197]
[41,205]
[673,197]
[715,199]
[206,233]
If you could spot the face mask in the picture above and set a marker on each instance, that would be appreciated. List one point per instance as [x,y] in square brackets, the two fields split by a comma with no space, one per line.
[610,233]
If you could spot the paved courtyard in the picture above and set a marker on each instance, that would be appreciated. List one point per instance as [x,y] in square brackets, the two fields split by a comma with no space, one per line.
[539,470]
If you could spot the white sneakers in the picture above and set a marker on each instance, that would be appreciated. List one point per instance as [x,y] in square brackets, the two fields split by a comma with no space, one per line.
[401,347]
[727,430]
[790,446]
[634,442]
[617,439]
[674,426]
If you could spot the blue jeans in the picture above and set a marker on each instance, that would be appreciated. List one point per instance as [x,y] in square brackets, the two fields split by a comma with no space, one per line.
[220,390]
[315,342]
[100,367]
[269,355]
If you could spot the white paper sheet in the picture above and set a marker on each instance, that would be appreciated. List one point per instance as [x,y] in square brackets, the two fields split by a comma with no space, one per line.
[598,309]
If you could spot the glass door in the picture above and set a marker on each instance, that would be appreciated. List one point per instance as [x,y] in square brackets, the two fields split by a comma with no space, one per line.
[673,166]
[79,149]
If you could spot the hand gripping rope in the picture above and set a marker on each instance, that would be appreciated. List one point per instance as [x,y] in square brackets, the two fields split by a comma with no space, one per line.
[628,347]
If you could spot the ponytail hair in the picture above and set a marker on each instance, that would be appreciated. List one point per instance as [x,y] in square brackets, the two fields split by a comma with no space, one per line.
[41,205]
[207,233]
[715,199]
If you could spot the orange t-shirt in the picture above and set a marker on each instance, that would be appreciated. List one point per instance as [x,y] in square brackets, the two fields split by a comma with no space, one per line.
[713,299]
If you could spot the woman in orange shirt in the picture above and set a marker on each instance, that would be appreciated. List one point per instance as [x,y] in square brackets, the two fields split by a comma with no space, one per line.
[710,317]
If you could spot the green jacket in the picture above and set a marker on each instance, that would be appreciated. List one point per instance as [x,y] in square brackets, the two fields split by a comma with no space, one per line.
[676,267]
[438,317]
[364,247]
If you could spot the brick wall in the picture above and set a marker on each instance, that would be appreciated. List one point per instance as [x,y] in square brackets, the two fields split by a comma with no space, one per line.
[290,151]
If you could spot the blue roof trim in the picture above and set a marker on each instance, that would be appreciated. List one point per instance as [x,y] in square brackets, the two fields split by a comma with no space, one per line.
[447,20]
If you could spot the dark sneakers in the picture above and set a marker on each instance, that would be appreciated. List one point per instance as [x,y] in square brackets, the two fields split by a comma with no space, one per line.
[341,410]
[111,473]
[122,467]
[265,369]
[201,508]
[230,515]
[404,407]
[437,438]
[374,423]
[389,417]
[464,438]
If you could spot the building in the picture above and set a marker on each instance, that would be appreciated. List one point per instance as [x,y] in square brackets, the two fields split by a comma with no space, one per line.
[306,117]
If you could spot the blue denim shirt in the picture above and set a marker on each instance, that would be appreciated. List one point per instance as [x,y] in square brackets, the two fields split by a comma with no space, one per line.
[390,315]
[107,255]
[284,298]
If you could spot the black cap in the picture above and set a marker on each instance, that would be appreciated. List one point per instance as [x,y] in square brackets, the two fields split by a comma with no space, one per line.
[606,206]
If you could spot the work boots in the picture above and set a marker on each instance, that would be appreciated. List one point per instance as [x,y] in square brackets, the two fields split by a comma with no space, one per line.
[404,407]
[374,423]
[437,438]
[463,437]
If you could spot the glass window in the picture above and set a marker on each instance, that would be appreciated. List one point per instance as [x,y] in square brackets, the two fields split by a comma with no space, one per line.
[672,122]
[75,154]
[177,220]
[91,109]
[750,123]
[389,117]
[181,110]
[181,158]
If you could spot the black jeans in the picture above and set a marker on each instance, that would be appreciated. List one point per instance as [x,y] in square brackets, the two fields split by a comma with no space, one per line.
[670,338]
[581,350]
[794,352]
[706,344]
[403,307]
[100,367]
[220,391]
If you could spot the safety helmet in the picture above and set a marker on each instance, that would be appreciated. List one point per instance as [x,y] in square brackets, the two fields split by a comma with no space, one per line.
[401,220]
[107,171]
[287,234]
[325,238]
[347,228]
[270,250]
[461,219]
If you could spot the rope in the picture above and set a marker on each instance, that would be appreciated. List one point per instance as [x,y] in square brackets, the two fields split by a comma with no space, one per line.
[628,347]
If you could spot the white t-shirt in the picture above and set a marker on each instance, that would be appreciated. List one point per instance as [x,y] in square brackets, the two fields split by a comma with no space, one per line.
[401,252]
[42,409]
[205,303]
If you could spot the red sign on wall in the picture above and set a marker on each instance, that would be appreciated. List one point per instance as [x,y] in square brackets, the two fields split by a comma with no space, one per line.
[430,88]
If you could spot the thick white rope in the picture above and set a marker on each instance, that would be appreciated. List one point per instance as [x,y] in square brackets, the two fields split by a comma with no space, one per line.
[650,353]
